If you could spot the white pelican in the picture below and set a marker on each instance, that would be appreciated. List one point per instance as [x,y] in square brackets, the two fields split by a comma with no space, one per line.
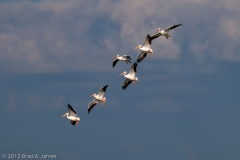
[146,48]
[73,116]
[98,98]
[164,32]
[124,58]
[130,76]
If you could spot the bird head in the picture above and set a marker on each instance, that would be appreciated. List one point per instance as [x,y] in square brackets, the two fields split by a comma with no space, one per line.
[158,30]
[116,56]
[123,73]
[66,114]
[139,46]
[136,79]
[94,94]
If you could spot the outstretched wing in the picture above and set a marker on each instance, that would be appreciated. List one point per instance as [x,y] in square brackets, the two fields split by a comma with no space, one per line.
[126,83]
[73,122]
[141,56]
[156,35]
[148,41]
[133,69]
[115,62]
[91,105]
[71,111]
[172,27]
[102,91]
[127,57]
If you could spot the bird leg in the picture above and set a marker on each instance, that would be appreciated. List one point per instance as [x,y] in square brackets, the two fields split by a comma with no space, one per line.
[134,82]
[150,52]
[168,35]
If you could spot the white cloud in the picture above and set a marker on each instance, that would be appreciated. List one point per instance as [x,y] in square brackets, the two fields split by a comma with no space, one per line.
[199,50]
[58,7]
[110,44]
[231,5]
[166,49]
[61,36]
[231,29]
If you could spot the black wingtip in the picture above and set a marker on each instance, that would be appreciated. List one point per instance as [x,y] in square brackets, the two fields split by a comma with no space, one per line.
[73,123]
[104,88]
[89,111]
[69,106]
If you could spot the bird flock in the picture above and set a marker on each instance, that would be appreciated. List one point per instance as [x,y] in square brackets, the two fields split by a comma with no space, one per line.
[130,77]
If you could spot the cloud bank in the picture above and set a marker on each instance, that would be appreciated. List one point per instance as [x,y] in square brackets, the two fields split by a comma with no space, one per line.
[60,36]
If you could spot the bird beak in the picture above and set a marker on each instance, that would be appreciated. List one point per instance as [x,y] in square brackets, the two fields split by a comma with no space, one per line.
[115,57]
[91,95]
[64,115]
[121,74]
[136,47]
[134,82]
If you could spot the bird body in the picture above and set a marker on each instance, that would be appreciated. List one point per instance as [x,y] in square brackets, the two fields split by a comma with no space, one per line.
[164,32]
[145,49]
[130,77]
[98,98]
[74,119]
[124,58]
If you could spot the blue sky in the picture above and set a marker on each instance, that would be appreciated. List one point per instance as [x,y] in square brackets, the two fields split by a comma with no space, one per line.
[185,105]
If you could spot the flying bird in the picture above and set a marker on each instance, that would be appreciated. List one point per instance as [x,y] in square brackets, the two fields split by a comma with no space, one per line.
[98,98]
[124,58]
[146,49]
[164,32]
[74,119]
[130,77]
